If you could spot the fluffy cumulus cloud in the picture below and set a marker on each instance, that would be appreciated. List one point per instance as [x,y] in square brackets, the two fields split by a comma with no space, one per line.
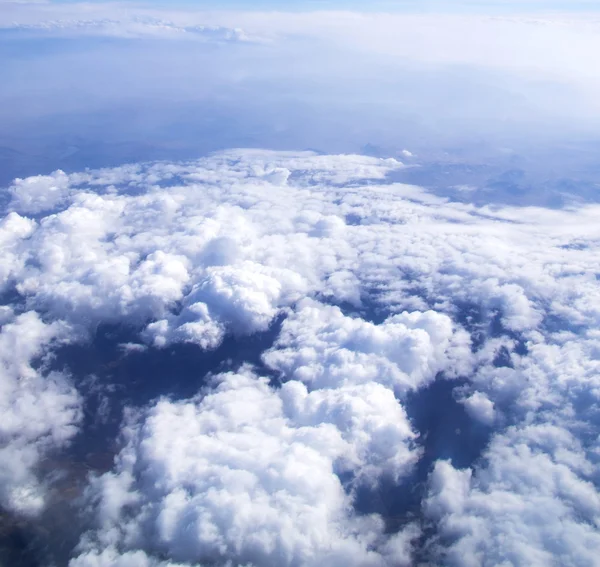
[375,290]
[227,244]
[533,503]
[322,347]
[40,410]
[233,241]
[250,475]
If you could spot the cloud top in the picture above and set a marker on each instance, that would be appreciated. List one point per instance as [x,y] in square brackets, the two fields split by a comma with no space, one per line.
[375,291]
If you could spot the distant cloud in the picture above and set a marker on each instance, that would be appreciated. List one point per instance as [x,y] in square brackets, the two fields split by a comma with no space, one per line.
[134,28]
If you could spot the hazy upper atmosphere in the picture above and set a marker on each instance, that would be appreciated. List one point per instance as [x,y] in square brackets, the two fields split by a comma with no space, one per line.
[299,284]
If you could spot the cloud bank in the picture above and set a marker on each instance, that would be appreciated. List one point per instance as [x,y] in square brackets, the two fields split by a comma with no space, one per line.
[376,291]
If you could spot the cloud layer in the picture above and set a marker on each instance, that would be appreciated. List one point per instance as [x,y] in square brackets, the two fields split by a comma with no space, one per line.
[380,289]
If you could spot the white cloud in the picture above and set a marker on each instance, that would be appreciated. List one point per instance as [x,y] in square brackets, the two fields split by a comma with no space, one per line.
[532,504]
[40,193]
[248,474]
[40,409]
[226,237]
[244,299]
[133,28]
[224,245]
[230,255]
[13,230]
[369,419]
[517,42]
[320,346]
[480,407]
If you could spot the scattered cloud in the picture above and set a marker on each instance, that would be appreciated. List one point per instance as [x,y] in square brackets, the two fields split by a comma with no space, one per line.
[376,290]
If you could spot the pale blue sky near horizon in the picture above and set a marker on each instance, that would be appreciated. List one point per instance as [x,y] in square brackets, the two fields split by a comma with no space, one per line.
[96,83]
[511,6]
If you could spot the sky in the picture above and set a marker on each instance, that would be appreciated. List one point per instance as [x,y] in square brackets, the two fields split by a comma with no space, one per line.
[382,5]
[430,80]
[305,284]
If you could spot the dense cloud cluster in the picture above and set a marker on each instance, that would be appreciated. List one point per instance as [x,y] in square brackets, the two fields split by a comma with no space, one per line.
[380,289]
[250,475]
[532,504]
[322,347]
[40,409]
